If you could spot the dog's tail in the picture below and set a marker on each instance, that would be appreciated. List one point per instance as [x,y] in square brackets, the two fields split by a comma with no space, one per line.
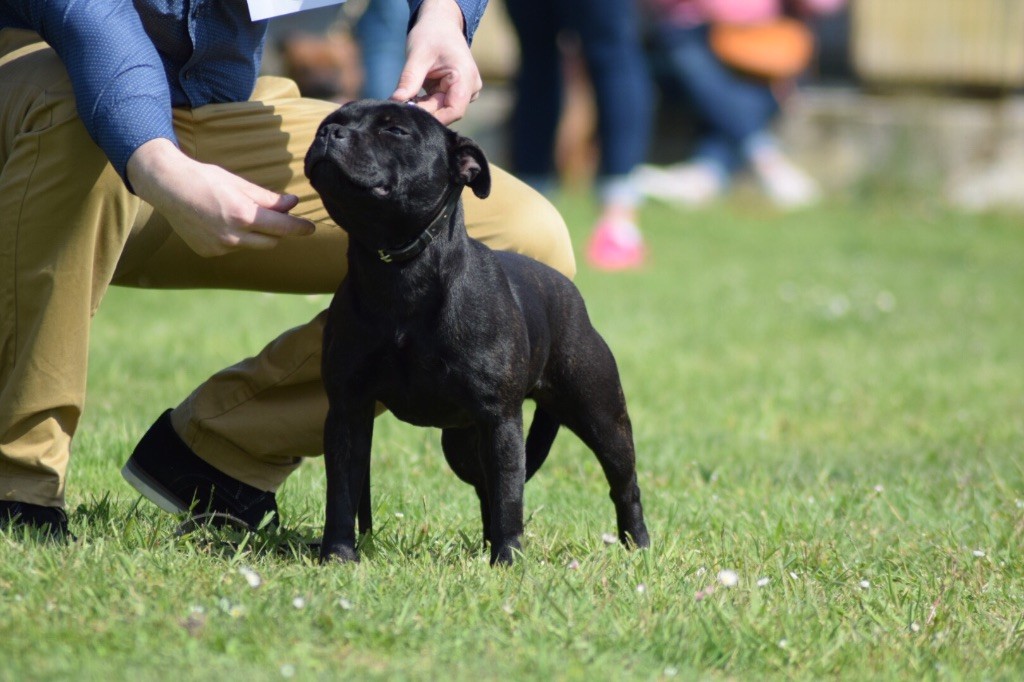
[538,442]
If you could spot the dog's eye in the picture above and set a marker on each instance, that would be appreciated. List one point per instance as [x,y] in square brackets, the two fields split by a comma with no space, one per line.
[395,130]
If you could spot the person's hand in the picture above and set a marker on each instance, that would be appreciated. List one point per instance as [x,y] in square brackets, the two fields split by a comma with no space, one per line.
[439,61]
[215,212]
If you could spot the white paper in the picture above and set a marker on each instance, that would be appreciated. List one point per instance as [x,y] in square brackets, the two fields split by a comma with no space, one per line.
[265,9]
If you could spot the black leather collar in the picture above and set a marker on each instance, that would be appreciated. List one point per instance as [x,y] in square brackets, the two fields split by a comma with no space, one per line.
[416,246]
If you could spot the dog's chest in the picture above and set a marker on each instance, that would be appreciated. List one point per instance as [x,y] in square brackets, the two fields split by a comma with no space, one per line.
[416,381]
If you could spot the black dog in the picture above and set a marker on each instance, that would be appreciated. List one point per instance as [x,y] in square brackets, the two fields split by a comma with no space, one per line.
[445,332]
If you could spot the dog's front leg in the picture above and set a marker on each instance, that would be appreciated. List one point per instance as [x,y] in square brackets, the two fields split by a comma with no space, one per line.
[347,435]
[504,464]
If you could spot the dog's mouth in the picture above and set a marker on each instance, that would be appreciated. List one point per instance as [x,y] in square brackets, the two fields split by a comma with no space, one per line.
[368,180]
[375,188]
[361,179]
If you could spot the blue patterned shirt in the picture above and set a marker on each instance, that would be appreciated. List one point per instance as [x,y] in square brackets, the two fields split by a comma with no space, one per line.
[131,62]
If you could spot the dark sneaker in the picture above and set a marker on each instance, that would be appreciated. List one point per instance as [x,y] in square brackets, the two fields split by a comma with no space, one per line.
[51,522]
[168,474]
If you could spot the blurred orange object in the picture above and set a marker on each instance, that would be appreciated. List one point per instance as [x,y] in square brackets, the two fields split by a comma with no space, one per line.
[776,49]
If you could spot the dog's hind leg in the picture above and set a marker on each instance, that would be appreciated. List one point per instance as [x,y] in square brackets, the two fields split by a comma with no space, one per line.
[593,406]
[610,436]
[462,450]
[543,430]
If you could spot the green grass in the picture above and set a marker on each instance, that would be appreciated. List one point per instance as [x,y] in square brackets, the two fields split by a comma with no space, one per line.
[830,404]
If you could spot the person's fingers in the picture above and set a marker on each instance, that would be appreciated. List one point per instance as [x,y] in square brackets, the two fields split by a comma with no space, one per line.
[266,198]
[281,202]
[456,100]
[272,218]
[274,224]
[447,98]
[413,74]
[430,103]
[256,240]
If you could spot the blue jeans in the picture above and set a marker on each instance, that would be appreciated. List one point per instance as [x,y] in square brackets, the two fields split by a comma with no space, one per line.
[610,39]
[733,111]
[380,32]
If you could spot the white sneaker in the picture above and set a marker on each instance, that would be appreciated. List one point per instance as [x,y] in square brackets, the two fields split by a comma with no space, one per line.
[690,184]
[785,184]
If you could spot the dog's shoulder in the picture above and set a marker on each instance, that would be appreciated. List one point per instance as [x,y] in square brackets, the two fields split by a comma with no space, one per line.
[541,290]
[523,271]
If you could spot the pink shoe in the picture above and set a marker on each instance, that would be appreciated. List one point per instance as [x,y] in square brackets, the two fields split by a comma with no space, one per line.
[616,245]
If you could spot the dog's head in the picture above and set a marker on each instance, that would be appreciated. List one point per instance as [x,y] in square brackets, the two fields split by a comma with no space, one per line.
[384,170]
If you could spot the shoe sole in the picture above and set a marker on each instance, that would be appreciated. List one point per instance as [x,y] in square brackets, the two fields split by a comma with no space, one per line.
[151,489]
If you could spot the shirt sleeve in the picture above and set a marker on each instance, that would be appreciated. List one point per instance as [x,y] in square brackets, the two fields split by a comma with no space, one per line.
[120,86]
[472,12]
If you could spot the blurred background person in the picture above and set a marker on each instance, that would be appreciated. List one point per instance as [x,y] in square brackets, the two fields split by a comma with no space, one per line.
[380,33]
[733,60]
[344,53]
[608,35]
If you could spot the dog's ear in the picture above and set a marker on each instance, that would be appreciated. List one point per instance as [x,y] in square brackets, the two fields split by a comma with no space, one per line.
[470,166]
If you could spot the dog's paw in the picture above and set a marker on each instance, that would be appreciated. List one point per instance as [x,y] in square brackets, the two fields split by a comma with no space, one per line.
[505,555]
[635,539]
[342,554]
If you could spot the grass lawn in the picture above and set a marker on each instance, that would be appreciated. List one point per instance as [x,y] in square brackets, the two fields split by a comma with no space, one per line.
[828,407]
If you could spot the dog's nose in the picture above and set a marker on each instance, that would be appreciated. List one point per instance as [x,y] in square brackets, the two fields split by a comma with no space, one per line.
[333,132]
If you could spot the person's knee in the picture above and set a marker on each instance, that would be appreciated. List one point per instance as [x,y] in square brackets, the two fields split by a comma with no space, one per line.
[49,140]
[548,237]
[520,219]
[35,88]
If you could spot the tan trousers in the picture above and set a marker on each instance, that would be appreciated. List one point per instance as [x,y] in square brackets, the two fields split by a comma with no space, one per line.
[69,228]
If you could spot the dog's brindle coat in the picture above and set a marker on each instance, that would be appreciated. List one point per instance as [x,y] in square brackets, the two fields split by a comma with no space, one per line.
[445,332]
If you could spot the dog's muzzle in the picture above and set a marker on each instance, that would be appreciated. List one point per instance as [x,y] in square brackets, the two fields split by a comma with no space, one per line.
[317,153]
